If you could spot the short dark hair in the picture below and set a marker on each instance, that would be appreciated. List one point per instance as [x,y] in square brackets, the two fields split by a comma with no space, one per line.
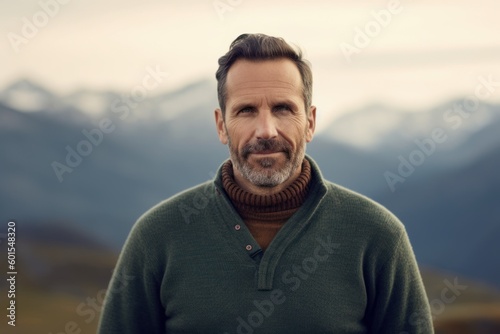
[262,47]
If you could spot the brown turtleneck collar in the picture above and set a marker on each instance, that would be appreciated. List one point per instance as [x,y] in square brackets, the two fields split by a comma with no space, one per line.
[265,214]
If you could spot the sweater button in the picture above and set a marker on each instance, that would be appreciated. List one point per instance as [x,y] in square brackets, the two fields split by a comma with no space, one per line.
[237,227]
[248,247]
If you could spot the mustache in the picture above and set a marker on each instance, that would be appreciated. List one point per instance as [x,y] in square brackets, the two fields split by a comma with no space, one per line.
[266,145]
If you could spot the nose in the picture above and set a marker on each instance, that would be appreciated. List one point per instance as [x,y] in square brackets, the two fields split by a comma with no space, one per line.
[266,125]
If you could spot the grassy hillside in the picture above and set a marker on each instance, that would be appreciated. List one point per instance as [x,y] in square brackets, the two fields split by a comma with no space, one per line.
[60,283]
[462,306]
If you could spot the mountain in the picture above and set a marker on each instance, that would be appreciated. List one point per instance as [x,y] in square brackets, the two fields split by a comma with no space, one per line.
[25,95]
[443,186]
[132,168]
[382,128]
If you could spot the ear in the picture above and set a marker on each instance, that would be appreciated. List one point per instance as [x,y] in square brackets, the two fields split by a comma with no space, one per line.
[221,128]
[311,123]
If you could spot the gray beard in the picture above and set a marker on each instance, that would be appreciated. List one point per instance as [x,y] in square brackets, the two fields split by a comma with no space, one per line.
[266,175]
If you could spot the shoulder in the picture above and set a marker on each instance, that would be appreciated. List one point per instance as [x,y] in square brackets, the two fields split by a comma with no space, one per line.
[371,231]
[361,213]
[348,210]
[161,228]
[174,212]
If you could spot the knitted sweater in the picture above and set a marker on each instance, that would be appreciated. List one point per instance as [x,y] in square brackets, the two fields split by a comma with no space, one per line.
[341,264]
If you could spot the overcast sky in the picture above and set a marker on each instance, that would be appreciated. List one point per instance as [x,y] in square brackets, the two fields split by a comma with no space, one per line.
[423,54]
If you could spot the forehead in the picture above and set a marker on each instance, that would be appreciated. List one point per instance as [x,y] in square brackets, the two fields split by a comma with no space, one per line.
[277,76]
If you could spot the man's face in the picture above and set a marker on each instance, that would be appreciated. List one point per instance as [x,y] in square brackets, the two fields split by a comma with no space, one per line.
[265,125]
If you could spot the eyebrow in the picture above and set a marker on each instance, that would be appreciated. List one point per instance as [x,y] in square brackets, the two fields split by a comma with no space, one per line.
[240,106]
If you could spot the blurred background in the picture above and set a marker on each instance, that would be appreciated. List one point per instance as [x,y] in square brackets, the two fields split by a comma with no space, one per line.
[106,108]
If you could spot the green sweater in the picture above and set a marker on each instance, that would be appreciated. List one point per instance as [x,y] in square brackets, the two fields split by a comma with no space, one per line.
[341,264]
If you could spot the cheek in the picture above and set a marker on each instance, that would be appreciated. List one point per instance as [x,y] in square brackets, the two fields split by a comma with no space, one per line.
[294,131]
[237,136]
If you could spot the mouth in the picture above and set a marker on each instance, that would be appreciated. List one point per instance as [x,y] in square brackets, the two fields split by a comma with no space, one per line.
[266,152]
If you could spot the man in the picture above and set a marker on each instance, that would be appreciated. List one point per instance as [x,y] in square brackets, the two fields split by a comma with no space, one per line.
[268,246]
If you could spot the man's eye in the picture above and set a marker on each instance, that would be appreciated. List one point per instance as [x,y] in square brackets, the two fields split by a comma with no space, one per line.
[245,110]
[282,107]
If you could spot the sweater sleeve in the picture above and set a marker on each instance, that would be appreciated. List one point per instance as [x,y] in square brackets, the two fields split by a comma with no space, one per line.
[132,304]
[401,304]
